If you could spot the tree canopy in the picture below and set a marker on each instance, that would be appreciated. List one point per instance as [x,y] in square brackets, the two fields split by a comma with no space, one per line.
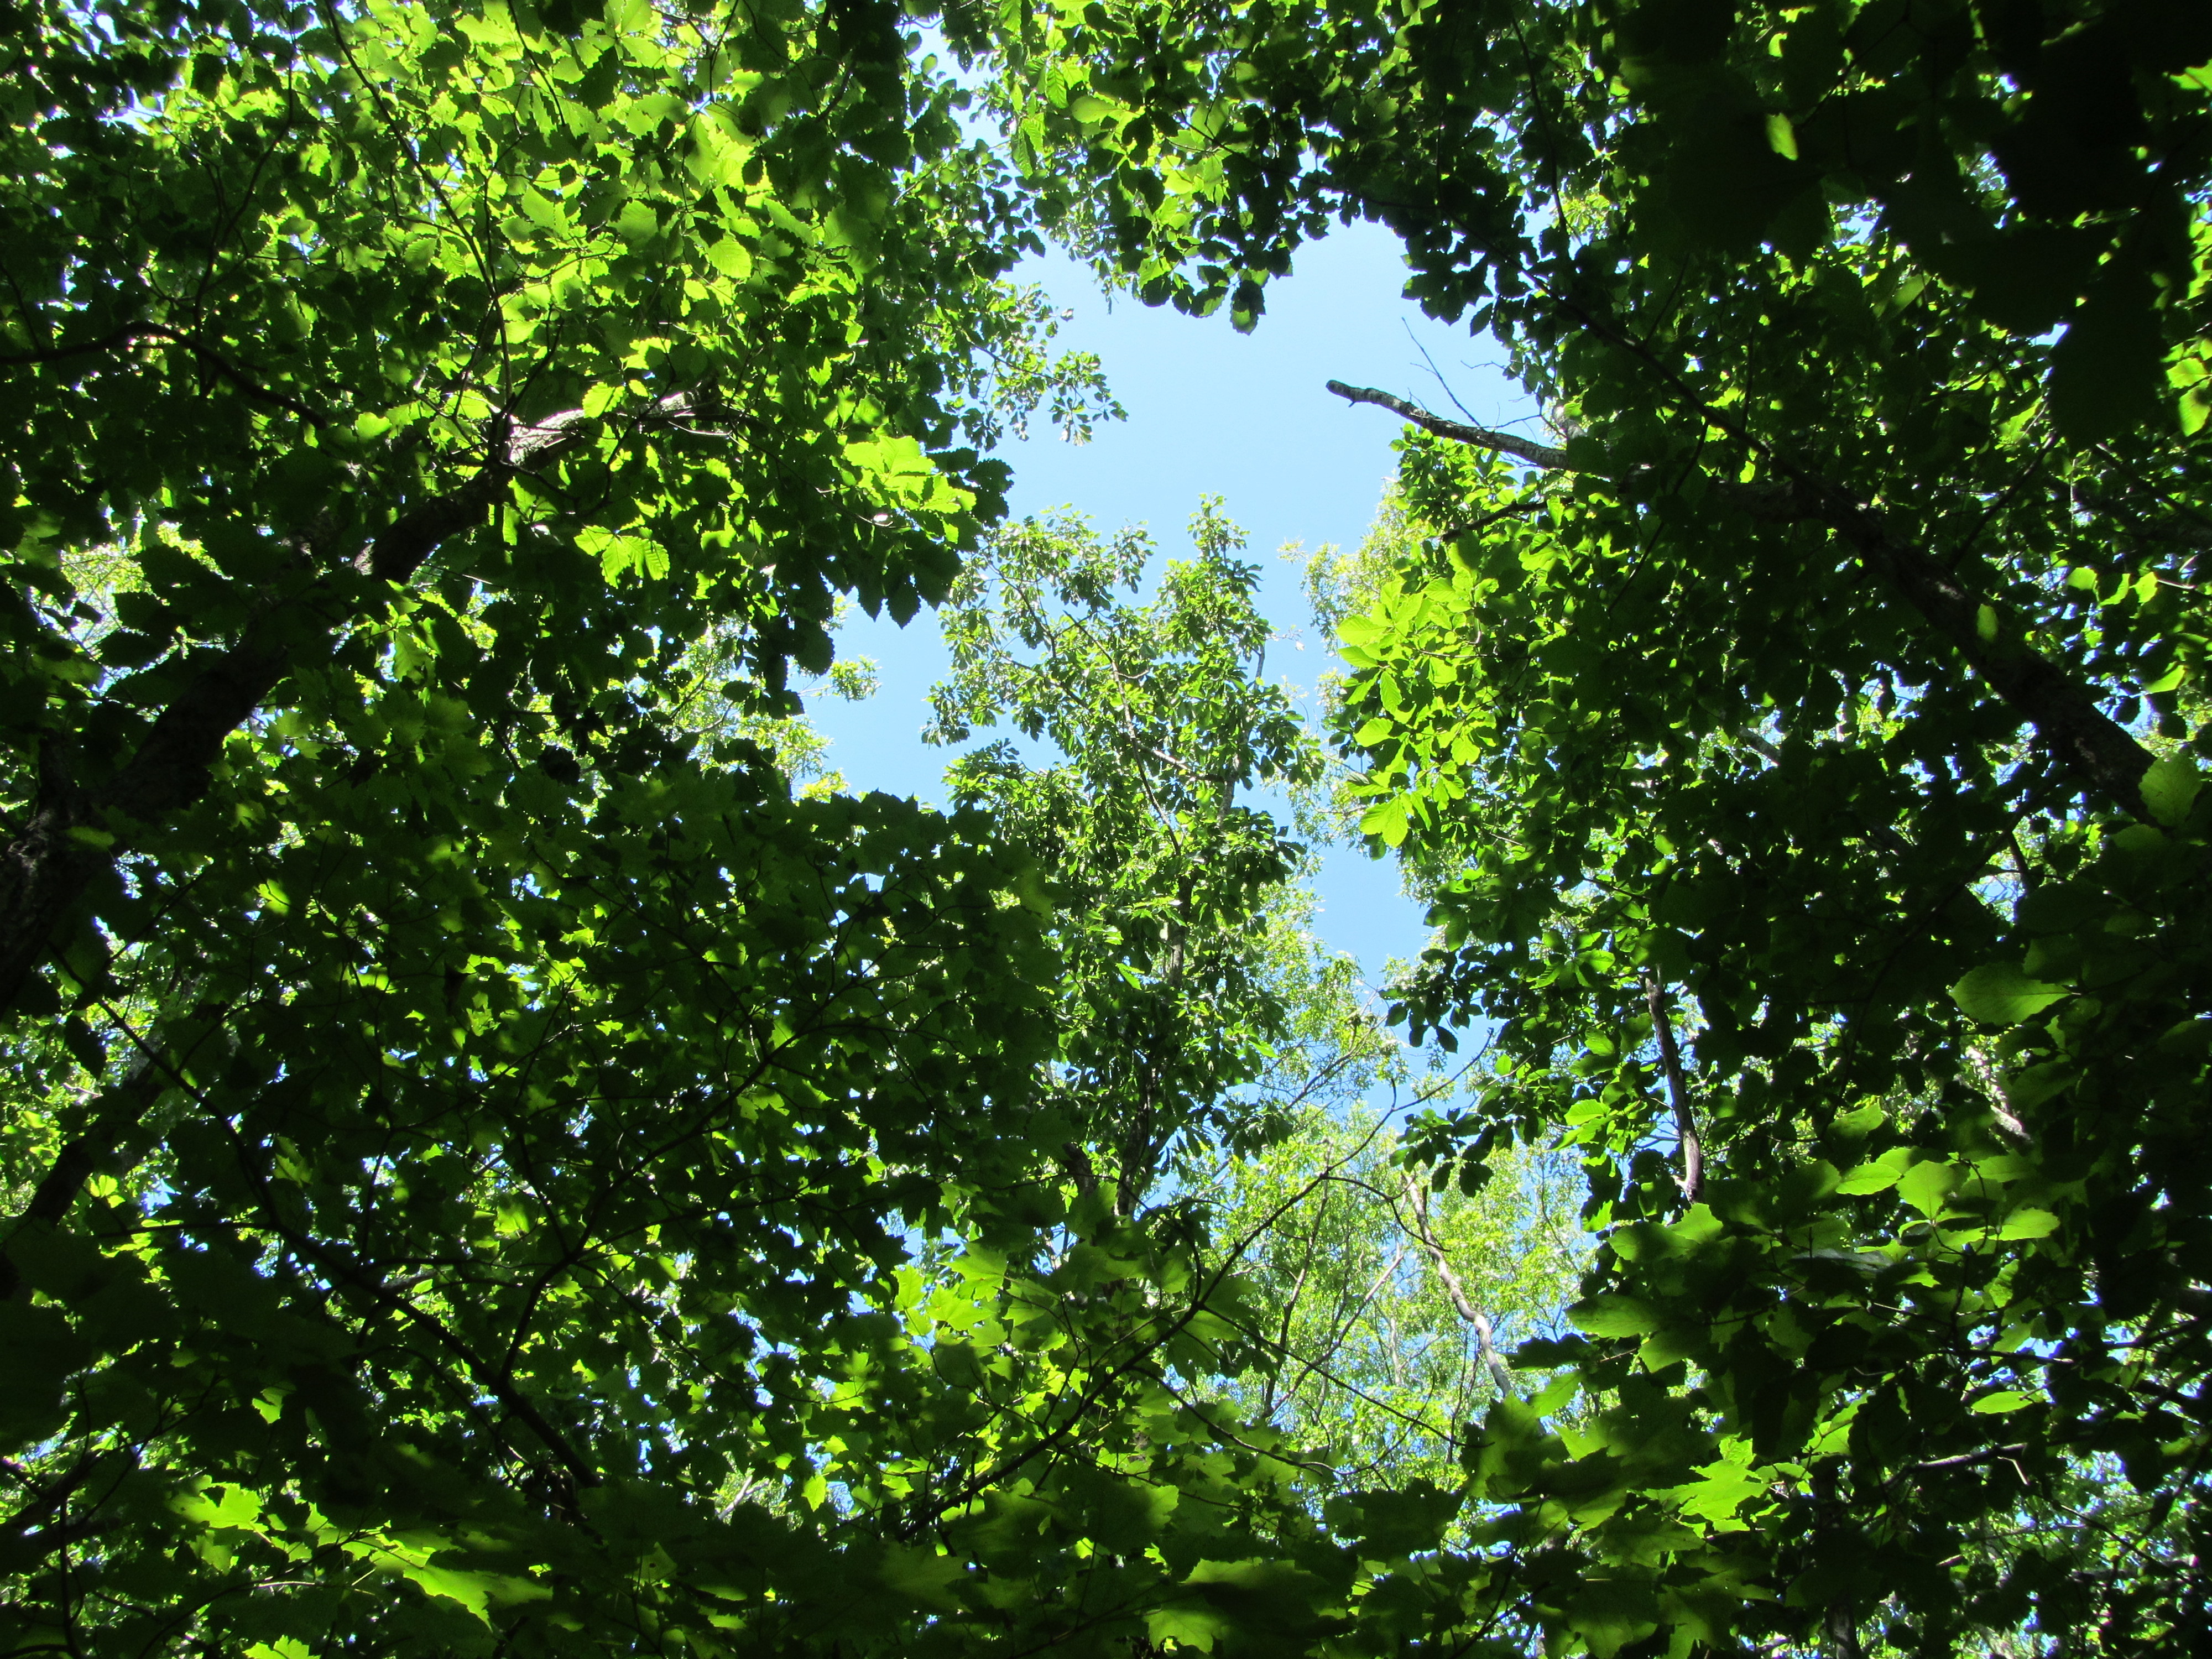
[494,1167]
[464,1106]
[1798,748]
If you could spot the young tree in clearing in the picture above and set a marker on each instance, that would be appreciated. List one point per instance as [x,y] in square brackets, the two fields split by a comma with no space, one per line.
[1285,1444]
[1146,818]
[1802,746]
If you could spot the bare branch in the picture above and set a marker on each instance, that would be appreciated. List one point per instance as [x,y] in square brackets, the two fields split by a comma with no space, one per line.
[1506,443]
[1968,1460]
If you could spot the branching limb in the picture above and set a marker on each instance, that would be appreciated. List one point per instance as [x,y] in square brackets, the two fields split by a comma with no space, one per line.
[47,866]
[41,1526]
[348,1271]
[120,1111]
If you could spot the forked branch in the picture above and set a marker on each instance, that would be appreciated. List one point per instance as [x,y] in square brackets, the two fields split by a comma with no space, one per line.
[1506,443]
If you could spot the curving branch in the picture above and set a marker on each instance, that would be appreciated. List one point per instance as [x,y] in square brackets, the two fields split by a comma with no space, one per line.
[1417,1195]
[40,1526]
[2064,714]
[74,834]
[1967,1460]
[1506,443]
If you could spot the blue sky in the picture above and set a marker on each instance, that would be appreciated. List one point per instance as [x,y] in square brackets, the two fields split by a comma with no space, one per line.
[1214,412]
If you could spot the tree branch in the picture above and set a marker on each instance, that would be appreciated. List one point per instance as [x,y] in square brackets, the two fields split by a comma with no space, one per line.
[1536,454]
[2092,744]
[207,354]
[1418,1196]
[347,1269]
[2064,714]
[31,1533]
[1966,1460]
[1692,1178]
[46,867]
[122,1108]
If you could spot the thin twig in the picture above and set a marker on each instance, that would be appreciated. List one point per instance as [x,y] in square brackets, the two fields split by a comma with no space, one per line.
[208,354]
[1966,1460]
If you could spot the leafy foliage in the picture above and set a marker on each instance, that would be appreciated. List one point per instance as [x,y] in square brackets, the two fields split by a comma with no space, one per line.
[1798,748]
[1161,717]
[492,1170]
[495,1169]
[467,1120]
[1385,1358]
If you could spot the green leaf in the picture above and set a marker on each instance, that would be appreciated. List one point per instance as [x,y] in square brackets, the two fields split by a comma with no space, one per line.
[637,224]
[1926,1185]
[1998,994]
[1191,1623]
[1868,1178]
[2107,369]
[2170,787]
[1719,1490]
[924,1577]
[1609,1614]
[1862,1119]
[480,1593]
[731,257]
[1613,1315]
[1388,819]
